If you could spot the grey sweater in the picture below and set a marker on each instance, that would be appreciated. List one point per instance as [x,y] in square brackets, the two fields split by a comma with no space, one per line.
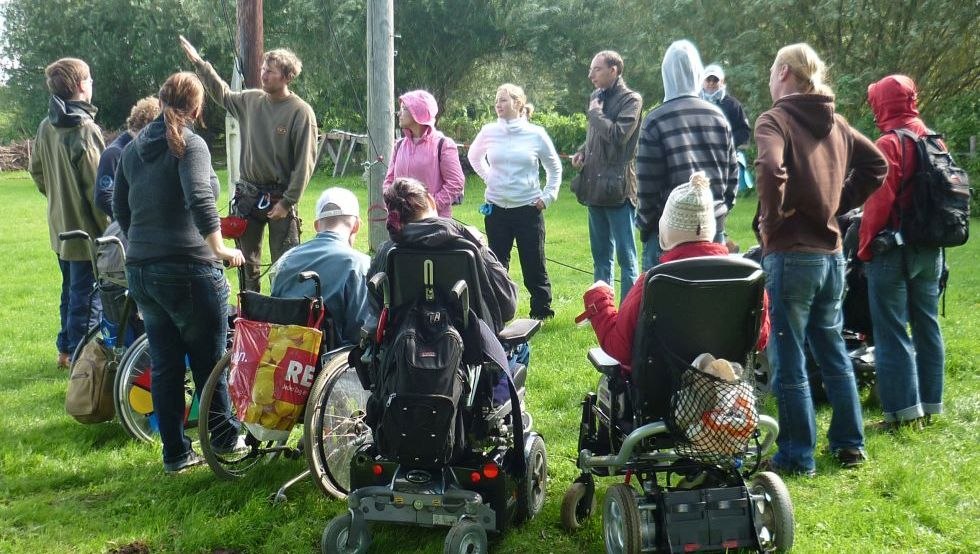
[166,205]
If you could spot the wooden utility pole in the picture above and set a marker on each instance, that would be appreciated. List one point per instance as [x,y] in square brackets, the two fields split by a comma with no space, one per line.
[250,40]
[380,110]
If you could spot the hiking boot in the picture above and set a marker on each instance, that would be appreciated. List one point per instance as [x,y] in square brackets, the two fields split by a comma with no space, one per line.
[238,446]
[850,457]
[64,360]
[192,459]
[770,465]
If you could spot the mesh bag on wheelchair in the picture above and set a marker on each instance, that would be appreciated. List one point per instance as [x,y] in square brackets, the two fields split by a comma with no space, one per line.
[712,419]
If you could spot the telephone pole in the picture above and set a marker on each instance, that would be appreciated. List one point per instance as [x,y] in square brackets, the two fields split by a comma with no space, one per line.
[250,41]
[380,110]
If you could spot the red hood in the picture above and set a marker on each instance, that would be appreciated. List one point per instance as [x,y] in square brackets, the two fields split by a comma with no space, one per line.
[893,101]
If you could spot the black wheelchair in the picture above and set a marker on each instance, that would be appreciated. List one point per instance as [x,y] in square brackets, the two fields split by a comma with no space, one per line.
[473,464]
[688,442]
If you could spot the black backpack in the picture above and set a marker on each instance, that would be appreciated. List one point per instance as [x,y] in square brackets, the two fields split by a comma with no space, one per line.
[413,412]
[939,212]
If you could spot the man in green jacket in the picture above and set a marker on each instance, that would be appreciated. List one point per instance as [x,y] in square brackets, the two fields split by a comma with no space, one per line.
[63,164]
[278,153]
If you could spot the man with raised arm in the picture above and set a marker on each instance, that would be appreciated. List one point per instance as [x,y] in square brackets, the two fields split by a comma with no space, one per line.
[279,134]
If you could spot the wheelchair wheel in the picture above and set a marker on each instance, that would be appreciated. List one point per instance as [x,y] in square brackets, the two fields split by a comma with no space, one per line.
[578,503]
[621,520]
[465,537]
[334,540]
[773,512]
[533,488]
[131,393]
[239,462]
[334,424]
[90,335]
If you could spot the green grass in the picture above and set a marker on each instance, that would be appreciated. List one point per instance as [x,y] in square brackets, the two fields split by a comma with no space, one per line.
[66,487]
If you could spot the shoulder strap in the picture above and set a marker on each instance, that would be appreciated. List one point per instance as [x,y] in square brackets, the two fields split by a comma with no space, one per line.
[903,133]
[439,150]
[394,151]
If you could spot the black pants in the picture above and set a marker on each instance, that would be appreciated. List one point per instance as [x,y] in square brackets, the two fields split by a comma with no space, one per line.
[526,225]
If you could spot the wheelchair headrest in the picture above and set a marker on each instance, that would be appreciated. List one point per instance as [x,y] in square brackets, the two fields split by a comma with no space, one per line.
[414,273]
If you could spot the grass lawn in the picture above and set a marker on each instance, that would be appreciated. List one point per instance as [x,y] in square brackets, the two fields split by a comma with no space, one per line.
[67,487]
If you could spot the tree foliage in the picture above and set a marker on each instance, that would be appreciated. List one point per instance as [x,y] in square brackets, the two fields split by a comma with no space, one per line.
[462,49]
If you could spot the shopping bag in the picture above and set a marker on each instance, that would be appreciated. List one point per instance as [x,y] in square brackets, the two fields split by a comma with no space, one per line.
[272,370]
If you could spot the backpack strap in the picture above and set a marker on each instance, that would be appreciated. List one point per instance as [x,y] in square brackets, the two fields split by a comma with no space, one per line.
[394,151]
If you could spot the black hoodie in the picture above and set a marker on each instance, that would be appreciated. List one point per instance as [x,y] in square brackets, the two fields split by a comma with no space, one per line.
[439,233]
[166,205]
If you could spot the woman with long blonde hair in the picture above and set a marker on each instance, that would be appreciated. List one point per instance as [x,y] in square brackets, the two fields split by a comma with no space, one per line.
[165,203]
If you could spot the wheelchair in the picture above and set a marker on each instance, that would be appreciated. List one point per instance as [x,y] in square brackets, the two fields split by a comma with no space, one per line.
[493,472]
[335,390]
[688,443]
[120,333]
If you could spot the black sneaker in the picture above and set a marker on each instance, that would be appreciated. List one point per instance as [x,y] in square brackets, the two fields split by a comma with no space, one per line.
[850,457]
[192,459]
[544,314]
[769,465]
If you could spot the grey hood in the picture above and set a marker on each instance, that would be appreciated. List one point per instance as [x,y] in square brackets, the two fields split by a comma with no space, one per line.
[151,142]
[681,70]
[69,113]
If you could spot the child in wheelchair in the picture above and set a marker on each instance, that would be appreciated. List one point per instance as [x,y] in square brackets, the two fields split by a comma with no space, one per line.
[445,452]
[672,412]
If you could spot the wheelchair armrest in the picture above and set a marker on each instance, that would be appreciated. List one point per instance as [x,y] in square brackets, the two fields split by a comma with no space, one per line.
[517,332]
[603,362]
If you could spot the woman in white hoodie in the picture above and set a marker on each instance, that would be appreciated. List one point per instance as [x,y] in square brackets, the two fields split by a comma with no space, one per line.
[507,155]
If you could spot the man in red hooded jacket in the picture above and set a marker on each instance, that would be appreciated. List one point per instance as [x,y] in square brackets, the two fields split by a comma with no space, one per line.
[903,281]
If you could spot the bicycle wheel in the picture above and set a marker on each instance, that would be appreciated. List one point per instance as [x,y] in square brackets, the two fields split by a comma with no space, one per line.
[131,393]
[334,425]
[245,452]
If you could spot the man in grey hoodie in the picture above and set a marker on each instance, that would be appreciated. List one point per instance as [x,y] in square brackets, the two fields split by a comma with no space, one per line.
[683,135]
[63,165]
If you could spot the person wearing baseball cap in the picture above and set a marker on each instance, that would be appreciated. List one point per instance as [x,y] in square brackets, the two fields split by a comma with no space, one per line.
[331,254]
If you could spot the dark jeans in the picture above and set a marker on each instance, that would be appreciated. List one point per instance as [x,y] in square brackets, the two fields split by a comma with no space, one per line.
[79,309]
[526,226]
[184,307]
[283,235]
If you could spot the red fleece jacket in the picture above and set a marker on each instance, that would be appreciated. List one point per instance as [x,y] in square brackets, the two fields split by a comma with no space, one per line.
[615,328]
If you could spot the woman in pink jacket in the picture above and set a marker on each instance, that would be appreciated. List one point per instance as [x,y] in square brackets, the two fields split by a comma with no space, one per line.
[424,153]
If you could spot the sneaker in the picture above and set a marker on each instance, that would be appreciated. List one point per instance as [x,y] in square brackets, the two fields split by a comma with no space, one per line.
[64,360]
[850,457]
[238,446]
[769,465]
[892,427]
[192,459]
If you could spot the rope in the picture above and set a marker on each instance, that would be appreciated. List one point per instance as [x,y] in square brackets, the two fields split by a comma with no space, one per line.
[556,262]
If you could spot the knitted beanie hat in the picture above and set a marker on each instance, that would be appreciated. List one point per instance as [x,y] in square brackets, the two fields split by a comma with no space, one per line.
[689,215]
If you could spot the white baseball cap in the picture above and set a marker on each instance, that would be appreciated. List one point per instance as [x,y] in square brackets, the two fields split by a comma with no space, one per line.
[714,70]
[336,201]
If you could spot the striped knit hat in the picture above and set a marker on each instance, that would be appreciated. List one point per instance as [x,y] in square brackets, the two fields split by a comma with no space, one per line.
[689,214]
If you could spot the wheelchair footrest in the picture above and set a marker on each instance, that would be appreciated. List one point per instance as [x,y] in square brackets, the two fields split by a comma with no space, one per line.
[708,519]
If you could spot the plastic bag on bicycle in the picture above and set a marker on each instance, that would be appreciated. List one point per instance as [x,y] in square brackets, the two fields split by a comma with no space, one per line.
[272,369]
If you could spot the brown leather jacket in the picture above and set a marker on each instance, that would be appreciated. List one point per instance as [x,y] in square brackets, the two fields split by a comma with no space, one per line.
[608,177]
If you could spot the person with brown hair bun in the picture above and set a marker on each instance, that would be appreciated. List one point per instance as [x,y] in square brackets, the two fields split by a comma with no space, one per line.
[165,203]
[413,222]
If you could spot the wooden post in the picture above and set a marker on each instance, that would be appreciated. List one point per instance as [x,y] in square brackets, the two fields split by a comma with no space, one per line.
[380,110]
[250,39]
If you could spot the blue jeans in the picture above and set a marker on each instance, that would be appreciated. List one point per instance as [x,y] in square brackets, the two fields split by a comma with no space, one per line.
[185,311]
[80,309]
[805,294]
[903,288]
[651,252]
[611,228]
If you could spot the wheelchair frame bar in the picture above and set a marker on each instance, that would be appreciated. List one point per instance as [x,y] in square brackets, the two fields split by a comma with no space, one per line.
[587,461]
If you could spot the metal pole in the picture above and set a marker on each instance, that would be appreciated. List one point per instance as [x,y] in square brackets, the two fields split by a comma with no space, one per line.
[380,110]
